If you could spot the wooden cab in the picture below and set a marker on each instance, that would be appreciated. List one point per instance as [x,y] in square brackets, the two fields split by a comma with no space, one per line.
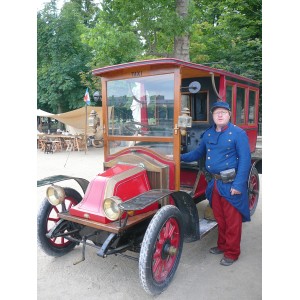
[144,102]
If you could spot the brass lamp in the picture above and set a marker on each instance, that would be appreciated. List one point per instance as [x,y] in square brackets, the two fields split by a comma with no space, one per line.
[184,121]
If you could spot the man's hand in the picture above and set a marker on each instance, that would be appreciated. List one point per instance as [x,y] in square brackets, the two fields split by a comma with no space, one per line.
[234,192]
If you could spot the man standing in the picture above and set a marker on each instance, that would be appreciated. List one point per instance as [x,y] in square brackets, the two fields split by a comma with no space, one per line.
[228,160]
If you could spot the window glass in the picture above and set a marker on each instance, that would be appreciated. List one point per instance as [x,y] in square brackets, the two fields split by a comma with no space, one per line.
[199,106]
[142,106]
[240,105]
[160,148]
[229,95]
[251,108]
[185,102]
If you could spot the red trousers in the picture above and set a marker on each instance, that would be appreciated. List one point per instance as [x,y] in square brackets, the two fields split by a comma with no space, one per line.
[229,222]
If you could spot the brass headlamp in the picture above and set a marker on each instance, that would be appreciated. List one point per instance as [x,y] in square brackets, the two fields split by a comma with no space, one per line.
[55,194]
[184,121]
[111,208]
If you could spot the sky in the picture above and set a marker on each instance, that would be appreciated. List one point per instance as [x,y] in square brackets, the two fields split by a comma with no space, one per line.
[60,3]
[41,3]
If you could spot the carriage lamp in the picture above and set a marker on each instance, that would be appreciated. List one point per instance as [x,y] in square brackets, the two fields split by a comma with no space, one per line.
[111,208]
[55,194]
[184,121]
[93,120]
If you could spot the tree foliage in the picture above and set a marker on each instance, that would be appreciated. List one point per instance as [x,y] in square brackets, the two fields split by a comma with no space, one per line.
[82,36]
[227,34]
[61,57]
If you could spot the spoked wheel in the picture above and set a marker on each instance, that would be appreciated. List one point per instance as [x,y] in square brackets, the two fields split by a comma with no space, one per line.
[161,250]
[47,218]
[253,190]
[97,143]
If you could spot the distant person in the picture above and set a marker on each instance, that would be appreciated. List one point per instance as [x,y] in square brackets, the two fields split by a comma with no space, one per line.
[228,161]
[40,128]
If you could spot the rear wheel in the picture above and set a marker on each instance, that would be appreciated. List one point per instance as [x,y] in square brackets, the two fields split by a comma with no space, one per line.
[161,250]
[47,218]
[253,190]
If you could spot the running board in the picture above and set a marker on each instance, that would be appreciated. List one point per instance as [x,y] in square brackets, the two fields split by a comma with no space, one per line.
[205,226]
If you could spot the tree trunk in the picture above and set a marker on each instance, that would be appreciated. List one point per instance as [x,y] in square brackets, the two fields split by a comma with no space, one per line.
[60,125]
[182,43]
[182,47]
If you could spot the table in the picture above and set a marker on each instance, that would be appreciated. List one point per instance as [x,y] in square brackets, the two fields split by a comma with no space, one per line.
[60,142]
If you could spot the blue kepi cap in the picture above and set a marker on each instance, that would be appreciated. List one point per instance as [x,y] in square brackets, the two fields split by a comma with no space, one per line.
[220,104]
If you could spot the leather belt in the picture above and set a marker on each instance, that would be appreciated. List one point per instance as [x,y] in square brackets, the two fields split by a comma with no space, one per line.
[216,176]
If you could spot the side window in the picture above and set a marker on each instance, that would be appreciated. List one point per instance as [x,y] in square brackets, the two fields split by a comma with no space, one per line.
[240,105]
[199,106]
[229,95]
[251,108]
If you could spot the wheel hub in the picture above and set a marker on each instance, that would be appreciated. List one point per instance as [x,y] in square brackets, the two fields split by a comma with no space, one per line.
[168,250]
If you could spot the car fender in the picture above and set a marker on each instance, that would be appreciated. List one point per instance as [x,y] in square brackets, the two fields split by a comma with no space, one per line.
[57,178]
[186,205]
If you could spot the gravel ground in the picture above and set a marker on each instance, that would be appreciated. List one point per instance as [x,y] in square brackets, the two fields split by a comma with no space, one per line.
[199,275]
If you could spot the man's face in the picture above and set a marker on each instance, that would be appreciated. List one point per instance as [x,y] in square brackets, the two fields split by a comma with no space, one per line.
[221,116]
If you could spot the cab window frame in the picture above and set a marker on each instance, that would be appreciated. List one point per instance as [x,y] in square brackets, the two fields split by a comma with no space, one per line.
[192,98]
[245,109]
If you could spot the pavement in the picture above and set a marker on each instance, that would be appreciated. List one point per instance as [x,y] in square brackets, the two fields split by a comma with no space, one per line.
[199,275]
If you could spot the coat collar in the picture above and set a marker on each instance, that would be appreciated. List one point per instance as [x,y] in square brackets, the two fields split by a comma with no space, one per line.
[223,128]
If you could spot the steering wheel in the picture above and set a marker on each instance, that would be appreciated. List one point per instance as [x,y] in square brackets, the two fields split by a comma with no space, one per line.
[131,127]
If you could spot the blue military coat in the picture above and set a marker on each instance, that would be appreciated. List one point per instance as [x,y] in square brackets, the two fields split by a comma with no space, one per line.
[225,150]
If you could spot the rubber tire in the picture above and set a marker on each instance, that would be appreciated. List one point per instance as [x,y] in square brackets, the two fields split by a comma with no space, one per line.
[150,285]
[98,143]
[46,244]
[253,178]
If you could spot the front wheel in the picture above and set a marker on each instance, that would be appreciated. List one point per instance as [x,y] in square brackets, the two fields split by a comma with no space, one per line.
[253,190]
[47,218]
[161,250]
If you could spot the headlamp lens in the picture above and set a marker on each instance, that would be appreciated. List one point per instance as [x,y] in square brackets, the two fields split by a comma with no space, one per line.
[111,208]
[55,194]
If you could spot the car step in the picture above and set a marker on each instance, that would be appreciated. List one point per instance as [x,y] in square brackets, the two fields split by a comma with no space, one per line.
[205,226]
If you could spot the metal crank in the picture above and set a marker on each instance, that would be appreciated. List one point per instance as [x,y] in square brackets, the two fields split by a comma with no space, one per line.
[84,243]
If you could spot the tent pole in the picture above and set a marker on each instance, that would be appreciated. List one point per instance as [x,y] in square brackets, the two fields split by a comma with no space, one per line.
[85,130]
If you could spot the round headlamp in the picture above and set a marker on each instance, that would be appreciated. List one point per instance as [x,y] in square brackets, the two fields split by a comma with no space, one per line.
[55,194]
[111,208]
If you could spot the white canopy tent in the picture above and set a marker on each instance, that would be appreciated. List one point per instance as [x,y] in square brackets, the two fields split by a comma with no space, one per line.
[42,113]
[76,120]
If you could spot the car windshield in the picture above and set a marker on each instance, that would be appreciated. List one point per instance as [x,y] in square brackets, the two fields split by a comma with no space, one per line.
[142,106]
